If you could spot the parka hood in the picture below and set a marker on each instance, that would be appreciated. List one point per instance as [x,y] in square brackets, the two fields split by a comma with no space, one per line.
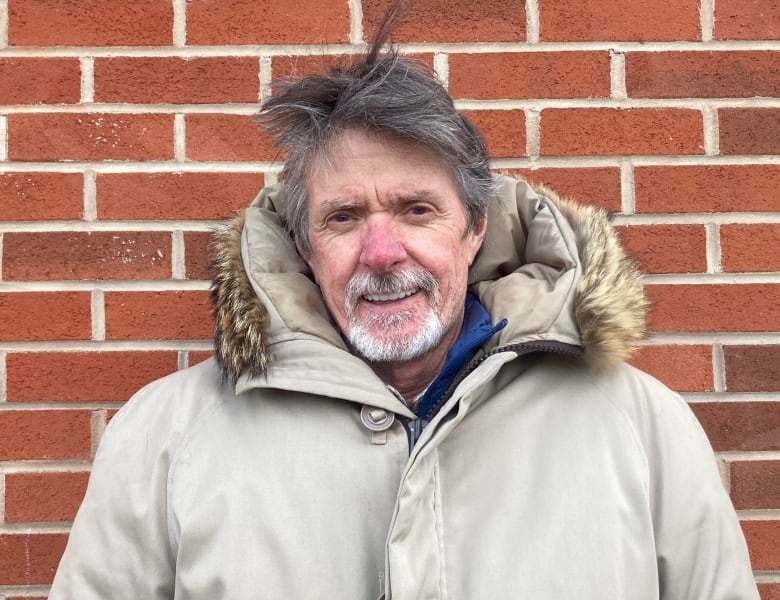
[554,269]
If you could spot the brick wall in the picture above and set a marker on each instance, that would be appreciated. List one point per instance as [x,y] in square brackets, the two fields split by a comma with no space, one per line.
[125,133]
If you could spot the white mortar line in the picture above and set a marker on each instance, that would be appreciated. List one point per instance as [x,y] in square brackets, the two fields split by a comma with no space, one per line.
[177,255]
[87,64]
[710,397]
[42,466]
[718,368]
[707,19]
[713,278]
[90,195]
[3,23]
[97,421]
[532,133]
[711,134]
[617,75]
[182,360]
[441,66]
[767,576]
[532,28]
[249,108]
[179,138]
[355,22]
[33,528]
[712,231]
[75,226]
[265,77]
[148,285]
[733,456]
[179,23]
[108,346]
[627,195]
[3,378]
[23,591]
[759,515]
[98,313]
[698,218]
[725,338]
[405,48]
[3,138]
[140,167]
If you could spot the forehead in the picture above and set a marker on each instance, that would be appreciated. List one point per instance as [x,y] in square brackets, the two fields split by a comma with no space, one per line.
[358,162]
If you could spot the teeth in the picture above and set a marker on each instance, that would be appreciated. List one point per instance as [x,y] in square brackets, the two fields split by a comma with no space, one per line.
[389,297]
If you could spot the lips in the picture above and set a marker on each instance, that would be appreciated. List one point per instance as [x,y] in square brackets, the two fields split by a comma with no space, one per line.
[390,297]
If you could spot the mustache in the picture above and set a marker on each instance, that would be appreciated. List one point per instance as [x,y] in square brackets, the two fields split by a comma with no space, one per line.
[388,283]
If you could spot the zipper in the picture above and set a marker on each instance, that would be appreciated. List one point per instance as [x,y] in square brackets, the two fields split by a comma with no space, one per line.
[525,347]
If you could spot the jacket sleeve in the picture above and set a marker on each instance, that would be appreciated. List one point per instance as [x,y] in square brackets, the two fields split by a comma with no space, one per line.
[119,546]
[700,547]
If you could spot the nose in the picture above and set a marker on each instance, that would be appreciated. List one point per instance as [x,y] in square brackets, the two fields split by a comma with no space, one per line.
[381,245]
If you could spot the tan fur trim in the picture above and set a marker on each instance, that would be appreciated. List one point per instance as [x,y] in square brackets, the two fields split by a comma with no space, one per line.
[610,306]
[239,317]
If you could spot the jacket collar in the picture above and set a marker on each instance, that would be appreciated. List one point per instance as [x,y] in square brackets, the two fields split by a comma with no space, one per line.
[555,270]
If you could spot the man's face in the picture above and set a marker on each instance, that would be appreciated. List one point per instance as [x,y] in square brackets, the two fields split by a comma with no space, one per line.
[389,246]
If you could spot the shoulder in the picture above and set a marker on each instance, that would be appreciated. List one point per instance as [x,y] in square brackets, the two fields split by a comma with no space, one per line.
[171,406]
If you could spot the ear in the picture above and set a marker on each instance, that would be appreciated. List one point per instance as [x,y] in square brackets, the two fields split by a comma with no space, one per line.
[475,237]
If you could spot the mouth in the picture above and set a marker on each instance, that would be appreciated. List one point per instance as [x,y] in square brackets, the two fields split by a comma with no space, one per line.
[390,297]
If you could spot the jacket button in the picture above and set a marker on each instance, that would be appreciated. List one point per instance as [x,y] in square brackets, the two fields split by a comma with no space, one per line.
[376,419]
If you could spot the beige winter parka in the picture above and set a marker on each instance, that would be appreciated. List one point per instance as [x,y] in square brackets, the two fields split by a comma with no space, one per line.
[283,470]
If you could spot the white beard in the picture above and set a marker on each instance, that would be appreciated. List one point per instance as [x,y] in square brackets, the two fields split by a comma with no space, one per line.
[388,346]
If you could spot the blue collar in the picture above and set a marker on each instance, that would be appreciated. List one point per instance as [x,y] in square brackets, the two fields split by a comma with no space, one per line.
[476,330]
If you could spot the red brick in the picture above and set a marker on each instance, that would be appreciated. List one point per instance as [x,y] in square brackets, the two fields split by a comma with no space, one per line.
[196,357]
[87,255]
[682,368]
[226,137]
[767,591]
[667,248]
[503,131]
[585,131]
[750,247]
[755,484]
[83,376]
[749,130]
[166,196]
[40,497]
[28,196]
[26,316]
[747,20]
[707,308]
[158,315]
[45,435]
[90,23]
[30,558]
[177,80]
[40,80]
[286,67]
[726,188]
[752,368]
[598,186]
[740,426]
[761,537]
[214,22]
[455,20]
[93,136]
[529,75]
[598,20]
[702,74]
[197,254]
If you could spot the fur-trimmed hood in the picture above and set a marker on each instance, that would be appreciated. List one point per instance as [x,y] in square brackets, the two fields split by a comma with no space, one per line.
[554,269]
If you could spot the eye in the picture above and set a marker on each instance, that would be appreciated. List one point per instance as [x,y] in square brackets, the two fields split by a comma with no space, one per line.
[340,220]
[419,212]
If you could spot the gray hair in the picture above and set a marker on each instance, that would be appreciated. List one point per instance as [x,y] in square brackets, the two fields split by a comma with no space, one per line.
[386,95]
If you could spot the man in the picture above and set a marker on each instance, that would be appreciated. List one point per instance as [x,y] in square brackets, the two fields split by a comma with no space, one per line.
[418,392]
